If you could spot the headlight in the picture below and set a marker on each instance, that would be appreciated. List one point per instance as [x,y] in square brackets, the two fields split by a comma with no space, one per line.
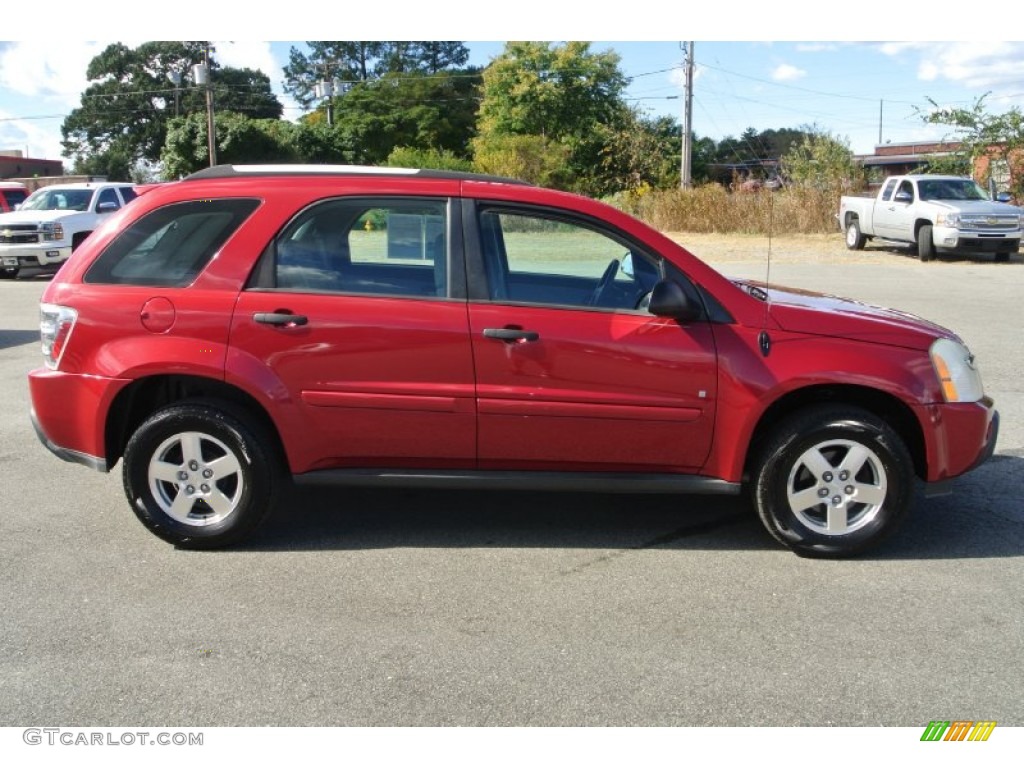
[948,220]
[958,377]
[53,230]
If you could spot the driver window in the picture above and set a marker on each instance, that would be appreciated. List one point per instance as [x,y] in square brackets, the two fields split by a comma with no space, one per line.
[536,259]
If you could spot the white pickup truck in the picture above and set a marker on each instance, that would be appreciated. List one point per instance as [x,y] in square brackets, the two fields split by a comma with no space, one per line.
[53,221]
[937,214]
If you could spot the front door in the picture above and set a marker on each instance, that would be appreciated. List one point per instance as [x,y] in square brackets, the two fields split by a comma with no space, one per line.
[573,373]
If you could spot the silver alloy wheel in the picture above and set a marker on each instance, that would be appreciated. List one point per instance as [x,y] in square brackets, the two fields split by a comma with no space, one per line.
[852,236]
[836,487]
[195,479]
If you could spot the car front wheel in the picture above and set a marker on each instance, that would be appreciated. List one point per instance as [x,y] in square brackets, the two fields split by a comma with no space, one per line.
[200,476]
[832,481]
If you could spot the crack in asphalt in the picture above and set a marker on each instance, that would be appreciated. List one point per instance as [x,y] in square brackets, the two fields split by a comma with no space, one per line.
[678,534]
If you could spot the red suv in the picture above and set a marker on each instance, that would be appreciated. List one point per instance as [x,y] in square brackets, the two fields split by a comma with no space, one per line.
[251,325]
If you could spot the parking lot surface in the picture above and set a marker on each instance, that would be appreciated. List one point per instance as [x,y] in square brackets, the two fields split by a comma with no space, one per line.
[484,609]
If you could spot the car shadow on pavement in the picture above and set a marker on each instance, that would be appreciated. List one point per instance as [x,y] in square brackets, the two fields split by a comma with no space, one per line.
[910,252]
[17,338]
[981,519]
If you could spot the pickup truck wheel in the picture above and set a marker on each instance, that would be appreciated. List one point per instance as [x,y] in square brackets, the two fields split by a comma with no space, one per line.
[925,246]
[832,481]
[78,239]
[8,273]
[855,239]
[1002,257]
[199,476]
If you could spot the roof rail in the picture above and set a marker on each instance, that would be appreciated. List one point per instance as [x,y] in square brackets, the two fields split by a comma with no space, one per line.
[237,171]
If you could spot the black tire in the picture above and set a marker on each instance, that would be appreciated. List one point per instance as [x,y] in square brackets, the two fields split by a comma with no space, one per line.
[1002,257]
[804,460]
[8,273]
[218,477]
[78,239]
[925,246]
[855,239]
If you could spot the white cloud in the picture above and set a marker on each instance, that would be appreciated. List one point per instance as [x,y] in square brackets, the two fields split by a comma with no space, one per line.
[981,66]
[58,77]
[786,72]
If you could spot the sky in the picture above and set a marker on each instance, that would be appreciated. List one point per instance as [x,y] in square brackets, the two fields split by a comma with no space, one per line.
[857,91]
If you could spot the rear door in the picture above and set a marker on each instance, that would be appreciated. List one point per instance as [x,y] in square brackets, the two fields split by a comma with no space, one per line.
[360,322]
[573,373]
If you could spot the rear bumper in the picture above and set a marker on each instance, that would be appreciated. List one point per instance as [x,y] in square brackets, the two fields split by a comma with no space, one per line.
[75,457]
[69,413]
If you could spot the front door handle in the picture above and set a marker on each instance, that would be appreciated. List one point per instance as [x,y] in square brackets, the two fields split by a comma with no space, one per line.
[511,334]
[280,319]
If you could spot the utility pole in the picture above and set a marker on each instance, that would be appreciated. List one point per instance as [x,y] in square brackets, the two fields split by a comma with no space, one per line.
[881,104]
[686,166]
[202,76]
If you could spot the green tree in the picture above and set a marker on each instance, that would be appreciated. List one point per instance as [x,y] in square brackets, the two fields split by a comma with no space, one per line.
[979,134]
[240,140]
[531,158]
[355,61]
[562,95]
[437,159]
[416,110]
[822,160]
[125,109]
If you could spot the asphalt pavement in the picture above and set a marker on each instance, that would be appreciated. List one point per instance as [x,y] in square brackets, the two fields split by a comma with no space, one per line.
[403,607]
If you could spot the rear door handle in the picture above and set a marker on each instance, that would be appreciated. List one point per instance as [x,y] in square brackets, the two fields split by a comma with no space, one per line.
[280,318]
[511,334]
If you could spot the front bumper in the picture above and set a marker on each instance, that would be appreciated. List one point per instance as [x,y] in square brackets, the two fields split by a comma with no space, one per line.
[950,240]
[958,438]
[28,256]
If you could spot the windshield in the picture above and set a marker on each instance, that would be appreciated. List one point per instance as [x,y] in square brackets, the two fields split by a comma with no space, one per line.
[951,189]
[49,199]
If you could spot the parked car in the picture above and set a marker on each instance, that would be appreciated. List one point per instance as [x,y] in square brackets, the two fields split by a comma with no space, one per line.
[385,326]
[937,214]
[53,221]
[12,194]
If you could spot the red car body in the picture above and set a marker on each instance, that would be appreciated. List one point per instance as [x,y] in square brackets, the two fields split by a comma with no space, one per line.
[399,388]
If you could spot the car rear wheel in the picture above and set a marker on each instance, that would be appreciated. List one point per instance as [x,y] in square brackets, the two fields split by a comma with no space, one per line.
[200,475]
[855,239]
[832,481]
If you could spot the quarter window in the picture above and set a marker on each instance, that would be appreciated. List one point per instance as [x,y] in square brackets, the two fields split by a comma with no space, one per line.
[171,245]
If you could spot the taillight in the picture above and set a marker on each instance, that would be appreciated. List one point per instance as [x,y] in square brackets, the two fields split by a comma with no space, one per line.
[55,326]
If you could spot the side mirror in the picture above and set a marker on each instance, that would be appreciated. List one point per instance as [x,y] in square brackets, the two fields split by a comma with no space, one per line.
[107,207]
[903,197]
[668,299]
[1003,197]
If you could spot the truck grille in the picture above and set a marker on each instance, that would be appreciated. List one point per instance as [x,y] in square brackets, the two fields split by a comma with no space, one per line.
[19,234]
[991,222]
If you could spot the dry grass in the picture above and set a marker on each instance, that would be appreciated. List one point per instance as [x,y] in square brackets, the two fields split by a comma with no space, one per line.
[713,208]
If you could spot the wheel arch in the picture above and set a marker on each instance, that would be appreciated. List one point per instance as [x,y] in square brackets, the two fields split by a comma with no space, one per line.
[143,397]
[882,404]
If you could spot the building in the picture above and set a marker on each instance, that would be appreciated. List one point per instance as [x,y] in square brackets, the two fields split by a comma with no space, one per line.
[14,165]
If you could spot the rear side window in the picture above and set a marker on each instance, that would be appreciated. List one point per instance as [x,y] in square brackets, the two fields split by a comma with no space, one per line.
[13,197]
[171,245]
